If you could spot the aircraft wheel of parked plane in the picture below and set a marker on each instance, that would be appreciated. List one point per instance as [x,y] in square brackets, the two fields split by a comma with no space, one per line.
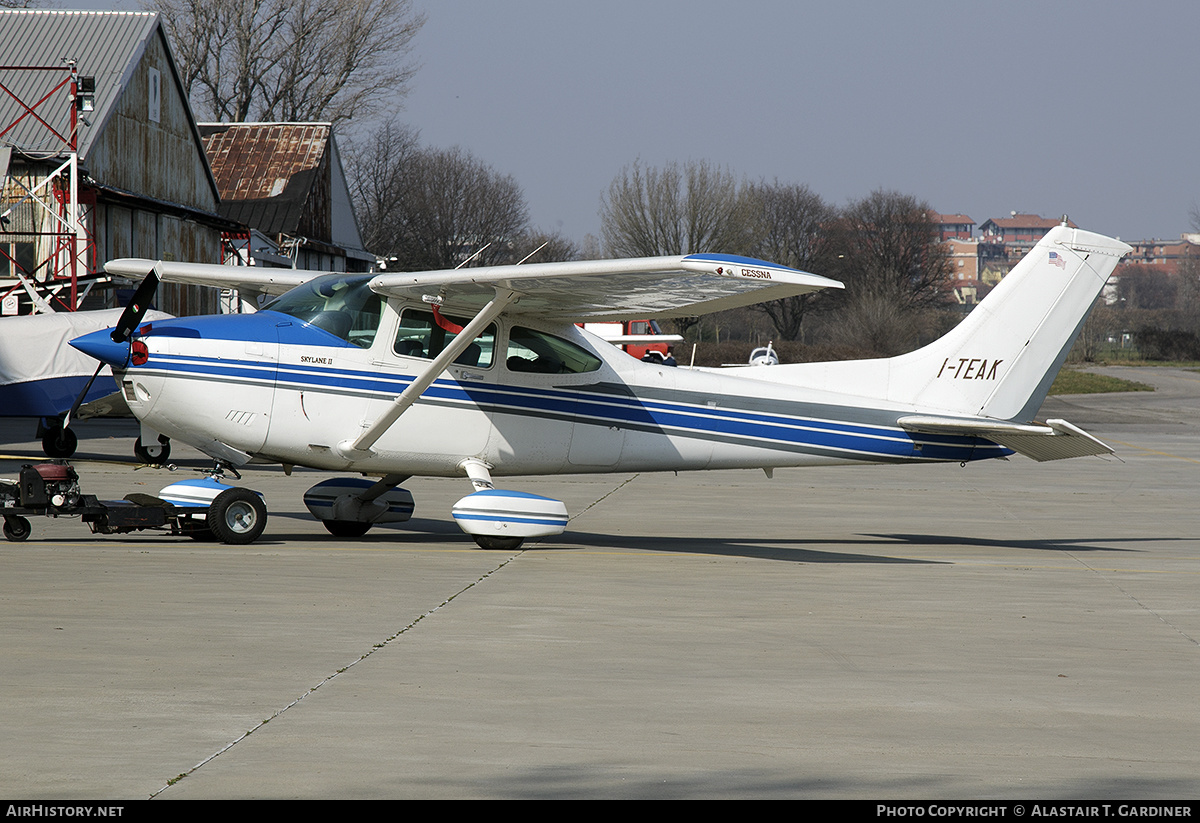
[158,452]
[237,516]
[346,528]
[59,442]
[498,543]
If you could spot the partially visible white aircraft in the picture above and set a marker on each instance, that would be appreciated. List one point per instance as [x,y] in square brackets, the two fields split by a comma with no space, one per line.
[482,373]
[42,377]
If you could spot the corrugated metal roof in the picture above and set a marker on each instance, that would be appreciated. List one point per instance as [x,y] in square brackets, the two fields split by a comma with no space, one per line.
[104,44]
[268,172]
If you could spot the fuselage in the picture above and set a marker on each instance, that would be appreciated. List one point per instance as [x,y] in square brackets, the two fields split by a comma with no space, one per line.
[288,385]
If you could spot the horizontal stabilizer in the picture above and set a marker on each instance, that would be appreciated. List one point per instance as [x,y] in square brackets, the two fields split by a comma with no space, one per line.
[1056,440]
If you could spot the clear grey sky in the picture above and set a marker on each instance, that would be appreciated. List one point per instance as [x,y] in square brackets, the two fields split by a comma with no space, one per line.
[1086,108]
[1083,107]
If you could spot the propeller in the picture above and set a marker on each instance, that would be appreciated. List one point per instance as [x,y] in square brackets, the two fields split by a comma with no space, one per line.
[116,352]
[131,318]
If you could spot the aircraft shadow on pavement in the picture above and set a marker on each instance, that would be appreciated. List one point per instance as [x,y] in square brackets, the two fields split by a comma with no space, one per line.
[860,548]
[871,548]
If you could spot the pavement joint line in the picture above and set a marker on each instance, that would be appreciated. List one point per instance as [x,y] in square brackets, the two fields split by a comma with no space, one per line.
[595,503]
[1103,574]
[1153,451]
[1135,600]
[605,496]
[376,647]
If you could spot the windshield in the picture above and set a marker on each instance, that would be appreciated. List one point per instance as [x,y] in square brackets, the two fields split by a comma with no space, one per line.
[341,304]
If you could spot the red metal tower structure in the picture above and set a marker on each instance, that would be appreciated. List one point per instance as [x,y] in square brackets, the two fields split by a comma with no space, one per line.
[44,241]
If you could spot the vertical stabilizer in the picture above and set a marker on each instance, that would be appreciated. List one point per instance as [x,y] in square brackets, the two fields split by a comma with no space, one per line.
[999,362]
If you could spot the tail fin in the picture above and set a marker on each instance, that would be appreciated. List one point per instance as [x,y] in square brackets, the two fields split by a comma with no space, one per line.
[1000,361]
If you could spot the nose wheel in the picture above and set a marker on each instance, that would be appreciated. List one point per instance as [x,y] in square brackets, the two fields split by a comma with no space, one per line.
[498,543]
[153,453]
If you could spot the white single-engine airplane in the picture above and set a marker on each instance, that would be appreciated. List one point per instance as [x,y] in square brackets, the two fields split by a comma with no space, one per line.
[482,373]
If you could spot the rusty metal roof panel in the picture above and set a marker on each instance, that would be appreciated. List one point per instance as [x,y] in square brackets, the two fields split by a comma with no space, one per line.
[272,176]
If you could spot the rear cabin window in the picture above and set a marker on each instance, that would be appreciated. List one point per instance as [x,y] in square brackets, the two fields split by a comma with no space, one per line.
[536,352]
[420,335]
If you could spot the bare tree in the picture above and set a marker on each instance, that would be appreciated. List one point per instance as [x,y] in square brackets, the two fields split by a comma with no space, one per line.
[677,209]
[376,170]
[874,325]
[789,224]
[695,207]
[538,246]
[1145,287]
[1188,296]
[291,60]
[889,246]
[435,208]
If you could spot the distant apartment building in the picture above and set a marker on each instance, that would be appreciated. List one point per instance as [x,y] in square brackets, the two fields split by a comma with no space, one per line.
[979,261]
[1150,270]
[1165,255]
[953,226]
[1018,233]
[964,269]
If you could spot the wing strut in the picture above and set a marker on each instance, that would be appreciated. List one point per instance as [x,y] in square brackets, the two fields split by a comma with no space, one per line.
[361,448]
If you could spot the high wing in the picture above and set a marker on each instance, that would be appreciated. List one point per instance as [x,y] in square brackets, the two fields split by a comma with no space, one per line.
[251,279]
[645,287]
[575,291]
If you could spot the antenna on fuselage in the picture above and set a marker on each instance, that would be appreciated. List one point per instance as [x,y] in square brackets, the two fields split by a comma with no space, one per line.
[472,257]
[532,253]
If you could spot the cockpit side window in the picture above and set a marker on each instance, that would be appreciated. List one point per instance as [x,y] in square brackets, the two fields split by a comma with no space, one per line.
[536,352]
[420,335]
[342,305]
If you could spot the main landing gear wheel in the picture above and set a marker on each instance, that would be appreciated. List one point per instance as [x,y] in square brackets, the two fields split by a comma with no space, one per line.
[16,528]
[59,442]
[154,453]
[346,528]
[498,543]
[237,516]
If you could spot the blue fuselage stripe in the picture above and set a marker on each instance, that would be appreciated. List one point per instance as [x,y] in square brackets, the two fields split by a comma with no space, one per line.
[586,407]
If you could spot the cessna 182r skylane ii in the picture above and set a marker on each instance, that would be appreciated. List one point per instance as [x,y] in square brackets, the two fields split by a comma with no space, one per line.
[483,373]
